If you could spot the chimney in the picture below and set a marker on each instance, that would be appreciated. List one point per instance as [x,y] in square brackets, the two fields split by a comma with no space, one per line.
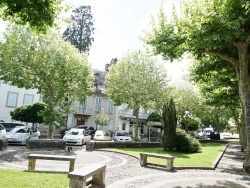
[107,67]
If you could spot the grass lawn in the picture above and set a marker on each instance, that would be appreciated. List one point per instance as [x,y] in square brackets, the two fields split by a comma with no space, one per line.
[208,154]
[21,179]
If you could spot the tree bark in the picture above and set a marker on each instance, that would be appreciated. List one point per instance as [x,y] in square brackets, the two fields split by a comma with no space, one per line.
[50,133]
[244,90]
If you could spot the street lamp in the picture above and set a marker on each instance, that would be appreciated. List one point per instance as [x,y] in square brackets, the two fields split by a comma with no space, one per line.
[186,118]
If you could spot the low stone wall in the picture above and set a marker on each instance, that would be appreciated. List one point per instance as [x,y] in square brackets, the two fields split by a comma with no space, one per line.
[109,144]
[48,144]
[3,144]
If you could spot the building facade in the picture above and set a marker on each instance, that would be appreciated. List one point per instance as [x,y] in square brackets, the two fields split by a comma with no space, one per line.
[12,97]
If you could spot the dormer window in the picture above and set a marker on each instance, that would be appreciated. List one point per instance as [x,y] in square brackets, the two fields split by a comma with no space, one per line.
[97,76]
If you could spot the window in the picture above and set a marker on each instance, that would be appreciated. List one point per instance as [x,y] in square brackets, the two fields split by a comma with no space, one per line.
[12,99]
[28,99]
[124,126]
[98,104]
[110,107]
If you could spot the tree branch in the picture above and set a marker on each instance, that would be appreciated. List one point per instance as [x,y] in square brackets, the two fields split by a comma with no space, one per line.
[224,56]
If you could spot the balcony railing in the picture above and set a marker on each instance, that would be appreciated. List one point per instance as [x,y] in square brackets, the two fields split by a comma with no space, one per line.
[82,110]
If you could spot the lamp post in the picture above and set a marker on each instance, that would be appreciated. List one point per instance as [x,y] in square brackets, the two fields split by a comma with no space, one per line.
[186,118]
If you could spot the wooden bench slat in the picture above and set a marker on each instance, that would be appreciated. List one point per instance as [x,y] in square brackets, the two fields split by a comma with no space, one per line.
[33,157]
[51,157]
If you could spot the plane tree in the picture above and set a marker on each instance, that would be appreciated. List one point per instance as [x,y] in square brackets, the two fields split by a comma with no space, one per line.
[138,81]
[218,83]
[209,28]
[46,63]
[38,14]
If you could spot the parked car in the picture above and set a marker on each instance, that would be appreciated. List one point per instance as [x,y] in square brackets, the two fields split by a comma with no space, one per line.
[10,125]
[19,135]
[2,131]
[207,132]
[102,135]
[76,137]
[85,127]
[122,136]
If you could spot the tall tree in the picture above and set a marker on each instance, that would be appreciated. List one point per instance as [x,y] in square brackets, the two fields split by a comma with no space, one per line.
[138,81]
[79,33]
[169,120]
[40,15]
[214,28]
[218,82]
[50,65]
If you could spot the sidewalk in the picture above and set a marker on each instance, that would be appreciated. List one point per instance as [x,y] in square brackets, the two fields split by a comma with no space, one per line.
[124,171]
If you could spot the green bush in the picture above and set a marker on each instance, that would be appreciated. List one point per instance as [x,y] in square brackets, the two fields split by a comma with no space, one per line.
[186,143]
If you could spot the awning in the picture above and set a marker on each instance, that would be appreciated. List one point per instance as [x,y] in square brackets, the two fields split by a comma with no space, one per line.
[133,119]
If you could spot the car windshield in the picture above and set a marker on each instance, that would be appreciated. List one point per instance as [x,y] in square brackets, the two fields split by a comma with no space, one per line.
[20,130]
[75,132]
[208,131]
[122,134]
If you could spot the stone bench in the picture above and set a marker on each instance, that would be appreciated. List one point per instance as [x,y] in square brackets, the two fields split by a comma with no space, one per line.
[78,178]
[170,160]
[32,160]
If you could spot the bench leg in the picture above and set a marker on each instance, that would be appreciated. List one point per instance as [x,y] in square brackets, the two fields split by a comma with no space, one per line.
[170,163]
[143,160]
[76,183]
[99,178]
[32,164]
[71,166]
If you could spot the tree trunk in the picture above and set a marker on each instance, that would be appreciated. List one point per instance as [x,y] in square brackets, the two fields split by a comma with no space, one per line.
[50,133]
[244,90]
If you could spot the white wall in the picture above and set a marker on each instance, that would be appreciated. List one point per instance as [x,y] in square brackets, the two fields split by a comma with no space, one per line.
[4,89]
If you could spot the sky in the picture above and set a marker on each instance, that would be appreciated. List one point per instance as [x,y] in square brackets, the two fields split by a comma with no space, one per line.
[118,24]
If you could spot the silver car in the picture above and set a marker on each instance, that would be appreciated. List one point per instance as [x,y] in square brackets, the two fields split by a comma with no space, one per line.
[20,134]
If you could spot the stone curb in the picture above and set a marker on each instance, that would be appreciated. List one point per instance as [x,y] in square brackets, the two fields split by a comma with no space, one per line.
[213,166]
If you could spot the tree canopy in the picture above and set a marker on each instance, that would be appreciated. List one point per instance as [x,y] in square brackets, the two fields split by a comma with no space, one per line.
[79,33]
[50,65]
[209,28]
[39,14]
[29,113]
[138,81]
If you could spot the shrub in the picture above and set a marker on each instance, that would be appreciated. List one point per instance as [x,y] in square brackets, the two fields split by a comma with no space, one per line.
[186,143]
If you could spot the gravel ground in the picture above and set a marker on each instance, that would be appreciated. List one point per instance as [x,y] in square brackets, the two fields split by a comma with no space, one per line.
[124,171]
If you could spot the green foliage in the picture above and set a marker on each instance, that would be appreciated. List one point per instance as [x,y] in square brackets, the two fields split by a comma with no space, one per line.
[186,143]
[50,65]
[154,116]
[80,31]
[137,80]
[169,122]
[29,113]
[102,119]
[40,15]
